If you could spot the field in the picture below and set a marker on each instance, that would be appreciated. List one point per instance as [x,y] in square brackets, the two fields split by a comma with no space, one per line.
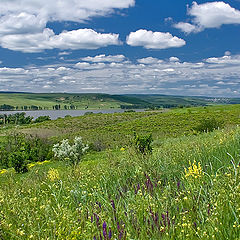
[56,101]
[30,101]
[187,188]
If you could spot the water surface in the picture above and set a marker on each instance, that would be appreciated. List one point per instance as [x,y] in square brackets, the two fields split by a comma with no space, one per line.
[54,114]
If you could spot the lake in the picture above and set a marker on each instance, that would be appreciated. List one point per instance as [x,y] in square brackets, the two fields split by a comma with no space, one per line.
[54,114]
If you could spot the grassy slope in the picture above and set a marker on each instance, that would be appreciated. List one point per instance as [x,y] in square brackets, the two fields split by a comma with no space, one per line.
[167,204]
[93,101]
[101,101]
[68,207]
[115,130]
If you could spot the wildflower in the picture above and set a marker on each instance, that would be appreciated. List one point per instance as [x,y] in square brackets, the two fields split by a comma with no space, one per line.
[110,233]
[195,170]
[53,174]
[3,171]
[122,149]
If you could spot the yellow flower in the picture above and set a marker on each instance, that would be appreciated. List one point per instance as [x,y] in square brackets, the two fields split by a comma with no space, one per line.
[53,174]
[122,149]
[194,170]
[3,171]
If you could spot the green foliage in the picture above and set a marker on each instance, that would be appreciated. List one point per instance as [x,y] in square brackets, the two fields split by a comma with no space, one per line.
[18,160]
[209,125]
[17,118]
[143,143]
[17,150]
[42,119]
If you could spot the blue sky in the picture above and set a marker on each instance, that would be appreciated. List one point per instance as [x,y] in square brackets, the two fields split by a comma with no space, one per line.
[121,46]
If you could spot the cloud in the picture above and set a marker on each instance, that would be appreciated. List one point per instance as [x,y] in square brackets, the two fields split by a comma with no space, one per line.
[64,53]
[187,27]
[215,76]
[104,58]
[60,10]
[209,15]
[154,40]
[83,39]
[174,59]
[23,24]
[149,60]
[227,59]
[76,39]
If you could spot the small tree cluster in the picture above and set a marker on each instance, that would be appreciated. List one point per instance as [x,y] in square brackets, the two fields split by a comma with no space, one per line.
[18,150]
[143,143]
[208,125]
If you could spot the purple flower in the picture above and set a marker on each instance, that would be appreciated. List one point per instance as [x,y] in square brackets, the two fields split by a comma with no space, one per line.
[195,224]
[113,205]
[118,226]
[104,225]
[178,185]
[110,233]
[104,233]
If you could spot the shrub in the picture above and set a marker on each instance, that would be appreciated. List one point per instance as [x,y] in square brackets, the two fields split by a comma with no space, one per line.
[18,149]
[208,125]
[18,161]
[98,145]
[143,143]
[73,153]
[42,119]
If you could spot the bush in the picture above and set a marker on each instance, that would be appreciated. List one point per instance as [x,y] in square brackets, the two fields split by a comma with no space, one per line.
[143,143]
[97,146]
[42,119]
[18,161]
[66,152]
[17,150]
[209,125]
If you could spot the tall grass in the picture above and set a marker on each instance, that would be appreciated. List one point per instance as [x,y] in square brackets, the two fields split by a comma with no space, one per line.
[125,195]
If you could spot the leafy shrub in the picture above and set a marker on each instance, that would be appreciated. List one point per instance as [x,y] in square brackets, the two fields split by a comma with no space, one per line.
[97,146]
[209,125]
[73,153]
[17,150]
[42,119]
[17,118]
[143,143]
[18,161]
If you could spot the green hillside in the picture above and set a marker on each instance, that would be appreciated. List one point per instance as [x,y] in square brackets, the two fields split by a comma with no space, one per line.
[187,187]
[34,101]
[64,101]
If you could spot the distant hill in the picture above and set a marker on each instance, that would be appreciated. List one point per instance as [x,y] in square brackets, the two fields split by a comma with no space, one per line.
[66,101]
[159,100]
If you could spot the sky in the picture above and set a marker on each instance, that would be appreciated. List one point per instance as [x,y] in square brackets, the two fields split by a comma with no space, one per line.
[121,47]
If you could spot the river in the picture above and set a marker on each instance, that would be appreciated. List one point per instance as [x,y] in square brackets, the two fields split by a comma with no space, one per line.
[54,114]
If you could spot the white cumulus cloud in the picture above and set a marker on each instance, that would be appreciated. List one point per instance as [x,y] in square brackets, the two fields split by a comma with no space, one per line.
[154,40]
[149,60]
[104,58]
[187,27]
[23,24]
[76,39]
[209,15]
[64,10]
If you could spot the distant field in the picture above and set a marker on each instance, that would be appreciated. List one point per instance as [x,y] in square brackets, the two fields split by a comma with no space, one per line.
[56,101]
[66,101]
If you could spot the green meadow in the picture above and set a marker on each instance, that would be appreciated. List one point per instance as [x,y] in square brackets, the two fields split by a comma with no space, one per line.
[186,187]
